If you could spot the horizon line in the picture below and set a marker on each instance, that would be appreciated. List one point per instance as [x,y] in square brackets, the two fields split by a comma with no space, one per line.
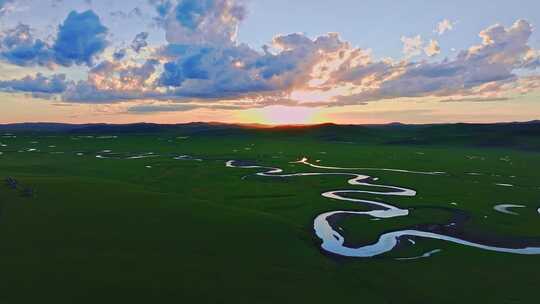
[263,125]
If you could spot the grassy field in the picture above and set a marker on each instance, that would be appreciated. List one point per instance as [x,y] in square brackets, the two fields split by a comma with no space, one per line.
[159,229]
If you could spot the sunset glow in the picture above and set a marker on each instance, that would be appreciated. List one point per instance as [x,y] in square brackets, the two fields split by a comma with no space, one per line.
[281,115]
[220,60]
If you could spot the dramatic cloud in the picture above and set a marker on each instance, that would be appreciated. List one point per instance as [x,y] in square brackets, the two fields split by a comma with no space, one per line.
[444,26]
[295,67]
[39,83]
[234,71]
[203,65]
[482,69]
[209,72]
[212,71]
[112,81]
[80,39]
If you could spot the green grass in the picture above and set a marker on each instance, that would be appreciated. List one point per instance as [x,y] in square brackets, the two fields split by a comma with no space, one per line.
[114,231]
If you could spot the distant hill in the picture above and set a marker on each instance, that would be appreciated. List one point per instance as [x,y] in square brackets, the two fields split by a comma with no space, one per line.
[112,128]
[38,127]
[198,126]
[522,135]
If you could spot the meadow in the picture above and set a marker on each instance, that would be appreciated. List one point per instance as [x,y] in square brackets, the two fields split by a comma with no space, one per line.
[145,214]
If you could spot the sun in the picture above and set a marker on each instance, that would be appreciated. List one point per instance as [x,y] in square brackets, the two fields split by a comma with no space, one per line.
[282,115]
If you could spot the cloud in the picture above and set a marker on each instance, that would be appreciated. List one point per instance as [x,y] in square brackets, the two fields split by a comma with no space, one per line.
[475,99]
[201,21]
[531,60]
[234,71]
[210,72]
[525,85]
[139,42]
[482,69]
[19,47]
[203,64]
[444,26]
[432,48]
[185,72]
[55,84]
[142,109]
[323,66]
[412,46]
[80,39]
[135,12]
[119,54]
[5,6]
[178,107]
[162,7]
[111,82]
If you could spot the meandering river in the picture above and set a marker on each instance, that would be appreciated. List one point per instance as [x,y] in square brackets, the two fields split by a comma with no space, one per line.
[334,242]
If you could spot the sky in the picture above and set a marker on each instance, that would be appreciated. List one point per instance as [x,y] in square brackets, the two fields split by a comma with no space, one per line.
[269,62]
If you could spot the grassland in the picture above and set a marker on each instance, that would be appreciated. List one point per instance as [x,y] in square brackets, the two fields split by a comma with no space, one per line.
[157,230]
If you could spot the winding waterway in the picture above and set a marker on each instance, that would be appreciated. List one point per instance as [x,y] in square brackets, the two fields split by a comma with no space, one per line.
[504,208]
[333,242]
